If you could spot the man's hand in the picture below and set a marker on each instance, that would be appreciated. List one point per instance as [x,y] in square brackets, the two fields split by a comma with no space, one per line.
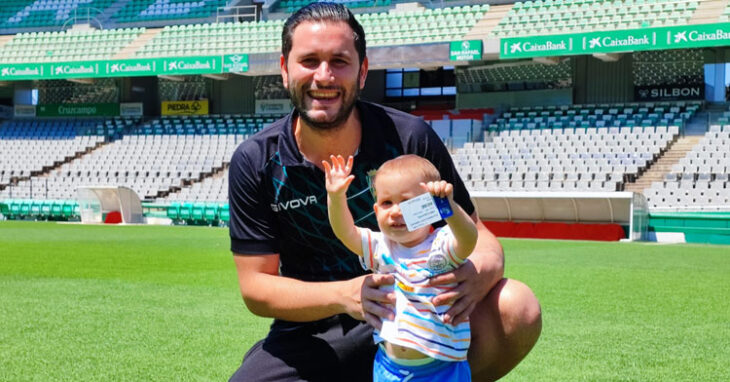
[377,304]
[475,279]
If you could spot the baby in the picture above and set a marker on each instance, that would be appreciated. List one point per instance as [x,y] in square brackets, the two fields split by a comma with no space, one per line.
[417,345]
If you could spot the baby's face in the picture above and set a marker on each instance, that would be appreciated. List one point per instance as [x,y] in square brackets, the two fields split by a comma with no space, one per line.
[393,188]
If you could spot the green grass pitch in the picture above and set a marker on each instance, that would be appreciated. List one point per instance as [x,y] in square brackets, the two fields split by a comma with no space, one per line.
[91,303]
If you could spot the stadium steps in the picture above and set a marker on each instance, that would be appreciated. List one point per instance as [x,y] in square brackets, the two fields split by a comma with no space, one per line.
[5,39]
[490,20]
[657,171]
[708,11]
[129,50]
[107,14]
[46,171]
[218,172]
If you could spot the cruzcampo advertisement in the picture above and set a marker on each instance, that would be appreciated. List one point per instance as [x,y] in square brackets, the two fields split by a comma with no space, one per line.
[78,110]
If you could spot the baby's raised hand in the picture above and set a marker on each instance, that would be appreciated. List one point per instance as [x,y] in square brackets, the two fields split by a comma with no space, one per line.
[337,175]
[441,189]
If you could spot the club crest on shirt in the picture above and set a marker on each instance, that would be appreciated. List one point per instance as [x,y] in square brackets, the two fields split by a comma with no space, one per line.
[437,263]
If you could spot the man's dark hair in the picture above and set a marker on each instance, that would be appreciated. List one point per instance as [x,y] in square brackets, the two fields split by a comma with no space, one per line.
[318,12]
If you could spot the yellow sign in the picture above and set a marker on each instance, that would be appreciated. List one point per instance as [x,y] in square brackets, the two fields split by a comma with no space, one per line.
[185,107]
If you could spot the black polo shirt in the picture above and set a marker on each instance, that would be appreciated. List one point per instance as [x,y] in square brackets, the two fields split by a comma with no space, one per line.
[278,200]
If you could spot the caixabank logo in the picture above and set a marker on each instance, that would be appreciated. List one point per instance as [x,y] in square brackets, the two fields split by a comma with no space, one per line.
[622,42]
[695,35]
[534,47]
[11,72]
[190,65]
[130,68]
[70,70]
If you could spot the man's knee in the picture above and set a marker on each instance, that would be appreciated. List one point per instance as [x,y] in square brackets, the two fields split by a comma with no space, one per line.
[519,309]
[505,327]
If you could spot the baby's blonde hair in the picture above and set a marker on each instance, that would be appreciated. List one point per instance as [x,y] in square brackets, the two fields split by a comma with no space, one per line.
[412,164]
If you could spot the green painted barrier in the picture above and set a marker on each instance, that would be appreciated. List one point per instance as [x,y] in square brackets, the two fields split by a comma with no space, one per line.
[697,227]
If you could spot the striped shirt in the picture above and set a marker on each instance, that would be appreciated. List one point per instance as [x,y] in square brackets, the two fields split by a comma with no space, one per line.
[418,324]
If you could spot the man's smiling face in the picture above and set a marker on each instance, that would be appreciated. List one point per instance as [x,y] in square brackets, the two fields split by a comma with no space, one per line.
[323,73]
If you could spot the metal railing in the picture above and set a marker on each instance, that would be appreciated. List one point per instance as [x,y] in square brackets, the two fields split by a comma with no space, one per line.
[238,13]
[85,14]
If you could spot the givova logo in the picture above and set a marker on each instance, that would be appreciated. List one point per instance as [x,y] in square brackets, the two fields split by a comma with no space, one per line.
[294,203]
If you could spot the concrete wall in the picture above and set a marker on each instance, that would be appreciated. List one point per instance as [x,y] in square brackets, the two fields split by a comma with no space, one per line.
[233,96]
[596,81]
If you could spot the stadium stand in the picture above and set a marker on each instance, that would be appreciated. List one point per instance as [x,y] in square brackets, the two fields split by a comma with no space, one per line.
[555,16]
[598,115]
[18,15]
[103,90]
[668,67]
[213,189]
[269,87]
[30,147]
[420,26]
[148,158]
[289,6]
[154,10]
[186,88]
[580,159]
[68,45]
[215,38]
[699,182]
[523,75]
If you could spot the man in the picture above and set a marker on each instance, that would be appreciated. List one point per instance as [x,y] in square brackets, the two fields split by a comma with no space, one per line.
[290,265]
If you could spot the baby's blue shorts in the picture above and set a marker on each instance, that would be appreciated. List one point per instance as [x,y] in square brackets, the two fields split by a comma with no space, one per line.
[387,370]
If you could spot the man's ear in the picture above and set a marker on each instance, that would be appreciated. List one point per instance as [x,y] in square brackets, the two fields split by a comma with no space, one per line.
[284,71]
[375,207]
[363,72]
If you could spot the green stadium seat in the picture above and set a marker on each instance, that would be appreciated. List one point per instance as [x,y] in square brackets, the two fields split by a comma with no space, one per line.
[24,210]
[198,213]
[57,209]
[35,208]
[225,213]
[210,213]
[186,211]
[15,206]
[5,208]
[46,209]
[173,211]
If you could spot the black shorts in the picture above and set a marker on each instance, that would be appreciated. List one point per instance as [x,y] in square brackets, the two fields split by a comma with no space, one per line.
[338,348]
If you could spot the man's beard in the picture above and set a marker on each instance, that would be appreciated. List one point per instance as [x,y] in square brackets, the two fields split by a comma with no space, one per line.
[349,97]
